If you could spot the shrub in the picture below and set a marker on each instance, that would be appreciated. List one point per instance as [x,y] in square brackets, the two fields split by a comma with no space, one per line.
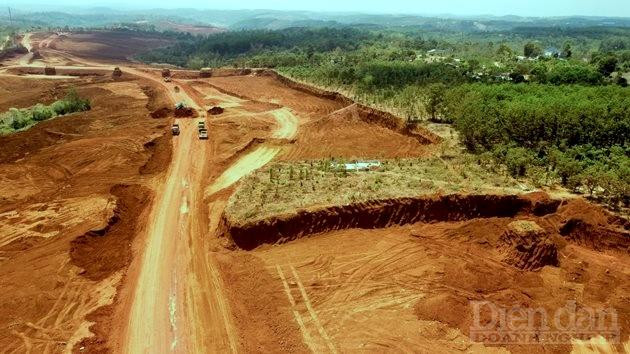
[517,159]
[41,112]
[18,119]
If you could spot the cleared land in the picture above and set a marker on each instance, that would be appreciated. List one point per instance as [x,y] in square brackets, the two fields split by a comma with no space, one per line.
[116,236]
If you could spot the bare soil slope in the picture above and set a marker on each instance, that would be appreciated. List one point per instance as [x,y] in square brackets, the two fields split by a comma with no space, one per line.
[106,46]
[57,182]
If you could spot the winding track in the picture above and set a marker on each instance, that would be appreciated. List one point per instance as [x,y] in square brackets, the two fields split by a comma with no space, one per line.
[178,303]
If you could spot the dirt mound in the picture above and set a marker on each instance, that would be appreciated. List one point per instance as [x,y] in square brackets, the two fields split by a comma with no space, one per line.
[371,215]
[589,225]
[595,236]
[184,112]
[527,246]
[450,309]
[157,98]
[160,151]
[161,113]
[542,204]
[205,73]
[104,251]
[49,70]
[216,110]
[484,232]
[590,213]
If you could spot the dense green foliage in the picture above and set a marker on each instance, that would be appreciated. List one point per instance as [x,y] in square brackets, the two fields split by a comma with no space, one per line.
[535,115]
[576,134]
[20,119]
[218,49]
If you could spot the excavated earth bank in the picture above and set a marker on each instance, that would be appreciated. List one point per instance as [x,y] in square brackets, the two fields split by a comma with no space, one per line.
[104,251]
[381,214]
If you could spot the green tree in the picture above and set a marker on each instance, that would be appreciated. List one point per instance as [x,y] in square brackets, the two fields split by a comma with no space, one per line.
[434,101]
[505,52]
[195,63]
[567,52]
[606,64]
[532,50]
[517,160]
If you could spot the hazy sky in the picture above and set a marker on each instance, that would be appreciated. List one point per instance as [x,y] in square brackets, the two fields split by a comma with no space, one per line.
[619,8]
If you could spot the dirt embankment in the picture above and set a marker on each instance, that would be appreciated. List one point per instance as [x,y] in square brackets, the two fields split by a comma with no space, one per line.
[368,114]
[158,104]
[588,225]
[66,128]
[101,253]
[380,214]
[104,251]
[160,151]
[12,52]
[52,70]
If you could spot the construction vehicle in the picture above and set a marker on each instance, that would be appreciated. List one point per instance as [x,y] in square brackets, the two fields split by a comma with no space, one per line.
[201,125]
[175,129]
[167,79]
[203,134]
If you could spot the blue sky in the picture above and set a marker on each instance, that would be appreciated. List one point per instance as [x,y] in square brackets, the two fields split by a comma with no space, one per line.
[619,8]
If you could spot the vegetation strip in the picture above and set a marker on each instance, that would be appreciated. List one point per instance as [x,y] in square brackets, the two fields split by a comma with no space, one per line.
[21,119]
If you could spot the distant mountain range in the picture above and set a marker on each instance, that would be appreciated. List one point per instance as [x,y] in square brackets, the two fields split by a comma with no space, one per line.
[273,19]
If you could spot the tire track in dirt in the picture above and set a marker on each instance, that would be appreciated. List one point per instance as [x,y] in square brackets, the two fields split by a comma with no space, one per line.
[260,156]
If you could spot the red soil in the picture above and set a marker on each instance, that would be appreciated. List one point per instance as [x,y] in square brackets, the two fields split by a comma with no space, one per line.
[108,46]
[60,178]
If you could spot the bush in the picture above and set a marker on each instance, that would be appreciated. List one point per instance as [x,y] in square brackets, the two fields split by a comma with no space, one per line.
[516,159]
[573,74]
[41,112]
[18,119]
[60,107]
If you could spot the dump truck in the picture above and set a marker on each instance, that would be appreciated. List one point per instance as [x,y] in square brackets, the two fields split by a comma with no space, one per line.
[201,125]
[175,129]
[203,134]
